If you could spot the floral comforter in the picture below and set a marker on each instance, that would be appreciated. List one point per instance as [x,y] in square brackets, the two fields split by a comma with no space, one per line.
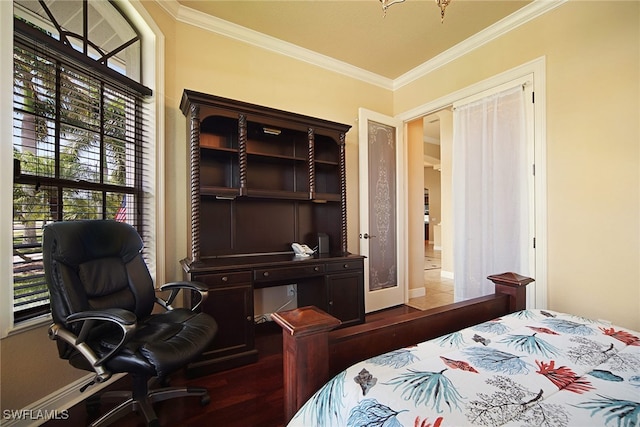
[530,368]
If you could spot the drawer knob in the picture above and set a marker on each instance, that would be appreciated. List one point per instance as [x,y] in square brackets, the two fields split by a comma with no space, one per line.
[346,266]
[265,274]
[316,268]
[225,278]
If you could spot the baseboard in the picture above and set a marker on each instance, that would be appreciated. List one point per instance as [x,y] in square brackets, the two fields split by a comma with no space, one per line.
[55,405]
[417,292]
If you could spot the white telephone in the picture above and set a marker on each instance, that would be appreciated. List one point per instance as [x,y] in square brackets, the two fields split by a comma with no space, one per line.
[302,250]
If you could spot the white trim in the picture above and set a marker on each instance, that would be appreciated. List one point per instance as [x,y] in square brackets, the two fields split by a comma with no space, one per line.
[536,295]
[6,167]
[153,36]
[520,81]
[540,179]
[30,324]
[214,24]
[516,19]
[59,401]
[255,38]
[417,292]
[489,83]
[446,274]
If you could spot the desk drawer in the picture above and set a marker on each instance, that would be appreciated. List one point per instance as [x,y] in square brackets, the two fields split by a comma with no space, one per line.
[270,274]
[224,278]
[344,266]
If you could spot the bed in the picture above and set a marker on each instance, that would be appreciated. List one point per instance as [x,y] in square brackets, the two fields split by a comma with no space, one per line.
[521,367]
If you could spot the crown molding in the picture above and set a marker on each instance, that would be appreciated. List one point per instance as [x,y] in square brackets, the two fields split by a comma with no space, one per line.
[172,7]
[228,29]
[509,23]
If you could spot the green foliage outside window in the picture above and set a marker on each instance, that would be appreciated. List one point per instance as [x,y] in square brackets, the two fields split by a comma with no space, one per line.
[74,156]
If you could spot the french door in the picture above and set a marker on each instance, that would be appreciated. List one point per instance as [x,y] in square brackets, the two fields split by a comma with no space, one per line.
[381,221]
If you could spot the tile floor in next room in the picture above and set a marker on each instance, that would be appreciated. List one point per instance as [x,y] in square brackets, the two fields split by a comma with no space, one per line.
[438,290]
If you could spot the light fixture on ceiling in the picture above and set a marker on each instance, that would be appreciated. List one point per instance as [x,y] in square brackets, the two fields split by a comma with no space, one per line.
[442,4]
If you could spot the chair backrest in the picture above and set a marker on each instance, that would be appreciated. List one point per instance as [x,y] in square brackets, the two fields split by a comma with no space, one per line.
[93,265]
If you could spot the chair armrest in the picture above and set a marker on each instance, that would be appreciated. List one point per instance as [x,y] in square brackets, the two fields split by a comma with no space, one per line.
[117,315]
[125,319]
[176,287]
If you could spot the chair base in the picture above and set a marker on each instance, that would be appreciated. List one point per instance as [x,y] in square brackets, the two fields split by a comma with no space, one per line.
[141,400]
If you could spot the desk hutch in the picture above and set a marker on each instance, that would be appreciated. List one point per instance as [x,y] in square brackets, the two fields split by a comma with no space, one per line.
[261,179]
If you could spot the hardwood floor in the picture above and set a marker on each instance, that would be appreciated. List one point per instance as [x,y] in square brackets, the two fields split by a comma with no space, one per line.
[248,396]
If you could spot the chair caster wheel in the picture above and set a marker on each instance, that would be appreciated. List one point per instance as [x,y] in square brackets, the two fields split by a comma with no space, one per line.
[205,400]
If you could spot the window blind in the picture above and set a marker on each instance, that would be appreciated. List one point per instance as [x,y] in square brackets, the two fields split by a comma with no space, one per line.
[81,151]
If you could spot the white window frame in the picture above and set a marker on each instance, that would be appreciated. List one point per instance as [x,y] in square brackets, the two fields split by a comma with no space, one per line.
[153,77]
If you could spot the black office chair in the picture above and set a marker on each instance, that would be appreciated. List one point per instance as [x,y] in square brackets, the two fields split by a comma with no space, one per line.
[102,297]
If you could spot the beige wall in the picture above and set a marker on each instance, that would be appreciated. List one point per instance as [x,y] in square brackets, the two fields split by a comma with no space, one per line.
[593,132]
[592,52]
[31,369]
[415,204]
[446,192]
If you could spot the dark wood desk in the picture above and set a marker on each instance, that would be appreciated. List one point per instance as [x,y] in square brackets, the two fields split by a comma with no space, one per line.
[333,283]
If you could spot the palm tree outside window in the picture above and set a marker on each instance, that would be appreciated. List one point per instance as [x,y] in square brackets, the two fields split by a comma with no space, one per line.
[79,133]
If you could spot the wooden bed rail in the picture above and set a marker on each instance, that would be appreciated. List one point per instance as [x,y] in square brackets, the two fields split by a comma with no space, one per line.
[313,352]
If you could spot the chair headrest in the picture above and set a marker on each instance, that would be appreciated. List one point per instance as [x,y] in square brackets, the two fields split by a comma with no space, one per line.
[75,242]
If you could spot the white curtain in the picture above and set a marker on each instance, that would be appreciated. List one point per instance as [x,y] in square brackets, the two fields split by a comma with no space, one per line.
[490,191]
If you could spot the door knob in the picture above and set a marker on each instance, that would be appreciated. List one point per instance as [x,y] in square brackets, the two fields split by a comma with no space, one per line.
[367,236]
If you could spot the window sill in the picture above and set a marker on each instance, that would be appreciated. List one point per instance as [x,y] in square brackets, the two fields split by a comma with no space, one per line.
[30,324]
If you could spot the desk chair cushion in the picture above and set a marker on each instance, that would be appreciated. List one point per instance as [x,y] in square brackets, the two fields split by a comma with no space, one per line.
[163,343]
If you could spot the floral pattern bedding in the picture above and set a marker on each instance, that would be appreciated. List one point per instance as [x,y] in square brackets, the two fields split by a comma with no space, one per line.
[530,368]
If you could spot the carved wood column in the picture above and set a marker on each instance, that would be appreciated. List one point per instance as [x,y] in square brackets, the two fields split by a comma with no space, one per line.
[242,153]
[311,163]
[343,195]
[194,191]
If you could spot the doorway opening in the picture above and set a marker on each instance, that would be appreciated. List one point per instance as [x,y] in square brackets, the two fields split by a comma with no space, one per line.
[437,278]
[534,74]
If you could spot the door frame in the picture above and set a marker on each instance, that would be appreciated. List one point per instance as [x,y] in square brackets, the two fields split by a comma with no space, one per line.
[537,294]
[379,299]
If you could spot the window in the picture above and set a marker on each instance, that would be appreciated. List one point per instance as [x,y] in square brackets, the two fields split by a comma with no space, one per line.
[79,134]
